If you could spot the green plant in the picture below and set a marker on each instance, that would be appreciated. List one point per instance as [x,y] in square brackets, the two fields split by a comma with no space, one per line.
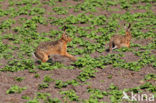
[59,84]
[25,97]
[19,79]
[70,94]
[45,97]
[15,89]
[48,79]
[60,10]
[33,101]
[150,76]
[87,73]
[43,85]
[36,75]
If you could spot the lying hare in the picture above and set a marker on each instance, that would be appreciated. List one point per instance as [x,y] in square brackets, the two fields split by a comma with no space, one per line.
[59,47]
[118,41]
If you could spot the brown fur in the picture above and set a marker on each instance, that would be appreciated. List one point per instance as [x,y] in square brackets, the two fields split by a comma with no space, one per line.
[58,47]
[119,41]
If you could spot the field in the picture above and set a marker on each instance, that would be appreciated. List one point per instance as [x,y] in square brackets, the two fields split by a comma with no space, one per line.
[97,76]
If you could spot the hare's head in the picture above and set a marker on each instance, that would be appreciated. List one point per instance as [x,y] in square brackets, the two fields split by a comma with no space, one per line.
[65,38]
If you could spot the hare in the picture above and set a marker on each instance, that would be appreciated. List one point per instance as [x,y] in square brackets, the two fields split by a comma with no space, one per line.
[118,41]
[59,47]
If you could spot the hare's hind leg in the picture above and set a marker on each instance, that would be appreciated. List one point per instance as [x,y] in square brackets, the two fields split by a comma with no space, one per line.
[45,58]
[42,56]
[70,57]
[112,46]
[118,46]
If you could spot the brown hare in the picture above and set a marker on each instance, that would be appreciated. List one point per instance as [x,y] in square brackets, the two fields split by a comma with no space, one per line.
[59,47]
[118,41]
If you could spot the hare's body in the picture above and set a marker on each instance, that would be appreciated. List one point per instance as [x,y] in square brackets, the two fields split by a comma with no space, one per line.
[59,47]
[118,41]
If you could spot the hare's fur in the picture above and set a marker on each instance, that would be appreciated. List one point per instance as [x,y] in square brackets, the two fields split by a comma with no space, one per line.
[118,41]
[59,47]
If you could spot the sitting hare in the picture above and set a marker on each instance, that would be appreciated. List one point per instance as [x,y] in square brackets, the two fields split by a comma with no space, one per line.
[118,41]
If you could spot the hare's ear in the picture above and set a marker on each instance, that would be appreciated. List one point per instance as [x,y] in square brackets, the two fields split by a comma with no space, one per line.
[129,26]
[64,33]
[125,26]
